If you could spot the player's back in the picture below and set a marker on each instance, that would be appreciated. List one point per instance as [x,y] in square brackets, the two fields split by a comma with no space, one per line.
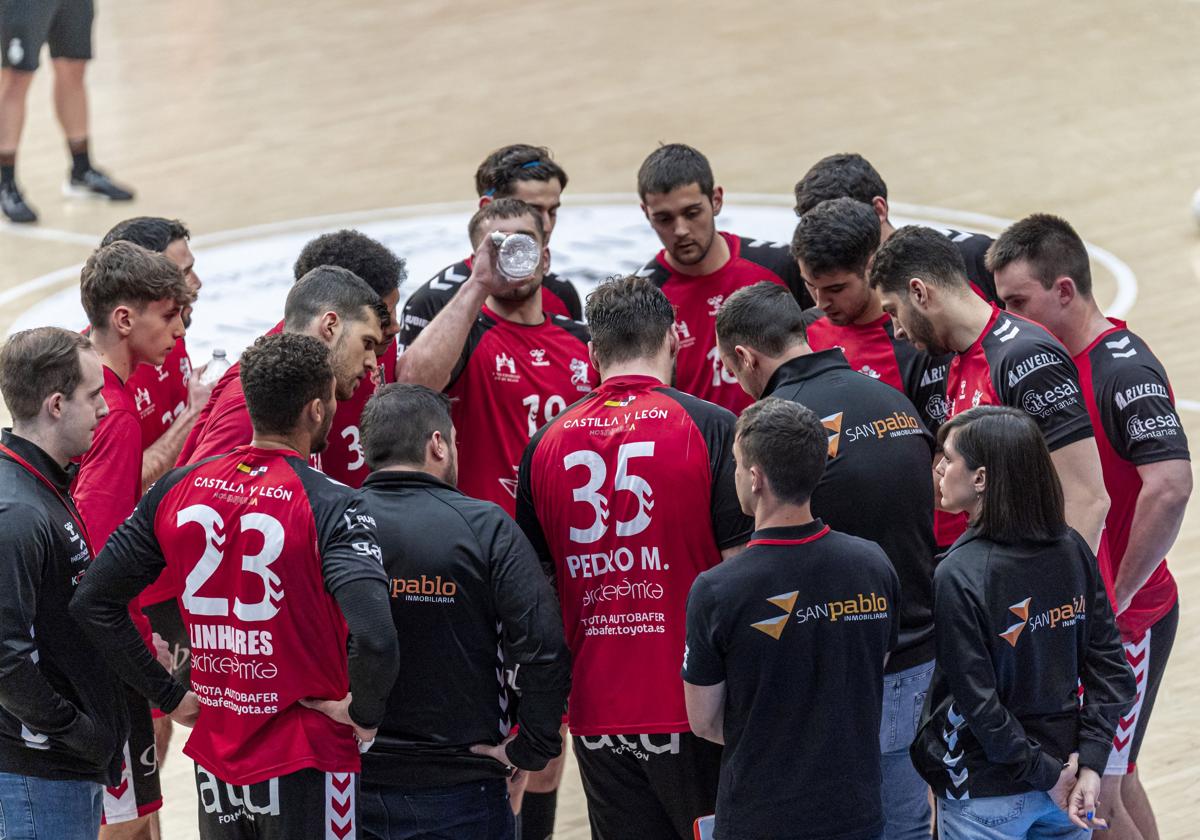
[630,495]
[246,537]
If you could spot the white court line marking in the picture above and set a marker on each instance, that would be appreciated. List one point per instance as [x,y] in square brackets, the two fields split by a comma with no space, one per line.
[1126,280]
[50,234]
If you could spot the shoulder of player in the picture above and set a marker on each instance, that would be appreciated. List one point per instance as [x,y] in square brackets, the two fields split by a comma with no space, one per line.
[972,245]
[1014,341]
[655,271]
[1124,354]
[703,413]
[577,329]
[773,256]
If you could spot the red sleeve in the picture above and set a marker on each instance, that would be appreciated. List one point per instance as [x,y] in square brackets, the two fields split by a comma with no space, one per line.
[228,426]
[108,487]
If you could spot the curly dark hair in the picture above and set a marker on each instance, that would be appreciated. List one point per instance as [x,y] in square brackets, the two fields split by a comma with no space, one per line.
[354,251]
[281,374]
[154,233]
[506,166]
[916,251]
[839,176]
[837,235]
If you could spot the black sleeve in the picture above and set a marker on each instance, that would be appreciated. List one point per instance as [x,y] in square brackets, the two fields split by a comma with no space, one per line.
[1109,688]
[974,248]
[1042,380]
[373,650]
[567,293]
[1139,416]
[703,651]
[424,304]
[131,560]
[962,641]
[730,526]
[345,534]
[527,513]
[532,639]
[777,257]
[24,692]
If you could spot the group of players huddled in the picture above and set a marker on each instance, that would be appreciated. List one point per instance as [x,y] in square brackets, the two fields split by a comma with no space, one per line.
[894,503]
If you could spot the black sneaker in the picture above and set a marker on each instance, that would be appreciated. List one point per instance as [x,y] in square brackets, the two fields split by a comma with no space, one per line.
[95,184]
[14,206]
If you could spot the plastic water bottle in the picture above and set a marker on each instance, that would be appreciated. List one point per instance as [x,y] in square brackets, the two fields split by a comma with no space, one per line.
[215,368]
[519,255]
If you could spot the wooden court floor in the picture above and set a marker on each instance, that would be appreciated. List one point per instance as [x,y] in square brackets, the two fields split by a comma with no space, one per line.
[230,114]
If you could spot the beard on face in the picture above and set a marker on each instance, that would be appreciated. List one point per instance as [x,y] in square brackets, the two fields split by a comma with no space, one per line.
[697,254]
[521,292]
[321,438]
[920,330]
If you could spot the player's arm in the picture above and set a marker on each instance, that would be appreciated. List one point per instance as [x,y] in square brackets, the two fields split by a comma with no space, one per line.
[963,639]
[527,518]
[351,564]
[161,455]
[24,692]
[1084,497]
[532,639]
[1108,683]
[1157,518]
[130,561]
[434,355]
[704,665]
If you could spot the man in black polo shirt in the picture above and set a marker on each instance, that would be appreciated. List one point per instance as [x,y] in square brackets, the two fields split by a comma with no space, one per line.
[469,598]
[62,713]
[786,648]
[876,485]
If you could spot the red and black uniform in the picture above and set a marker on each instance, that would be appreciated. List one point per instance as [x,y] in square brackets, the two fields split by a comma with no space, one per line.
[223,424]
[558,298]
[698,368]
[628,496]
[1017,363]
[974,247]
[343,458]
[1133,412]
[509,382]
[106,490]
[275,560]
[160,392]
[873,349]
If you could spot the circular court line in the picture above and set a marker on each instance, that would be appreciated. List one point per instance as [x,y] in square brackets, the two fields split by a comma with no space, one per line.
[1123,275]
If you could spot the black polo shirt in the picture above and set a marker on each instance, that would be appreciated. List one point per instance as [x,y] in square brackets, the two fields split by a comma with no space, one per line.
[878,483]
[797,627]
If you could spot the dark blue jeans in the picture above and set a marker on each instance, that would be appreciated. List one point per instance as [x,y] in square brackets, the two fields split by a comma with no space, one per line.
[471,811]
[32,808]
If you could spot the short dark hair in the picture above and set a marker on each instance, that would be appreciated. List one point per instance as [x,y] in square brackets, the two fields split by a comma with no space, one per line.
[398,421]
[34,364]
[764,316]
[328,288]
[500,171]
[504,208]
[788,443]
[354,251]
[628,318]
[127,274]
[1051,247]
[839,176]
[837,235]
[281,374]
[673,166]
[154,233]
[917,251]
[1022,496]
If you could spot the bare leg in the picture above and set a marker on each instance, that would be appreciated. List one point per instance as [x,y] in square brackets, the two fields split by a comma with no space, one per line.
[1137,803]
[70,98]
[1112,808]
[143,828]
[14,87]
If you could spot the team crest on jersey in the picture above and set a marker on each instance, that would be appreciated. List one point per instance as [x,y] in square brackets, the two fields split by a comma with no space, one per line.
[539,358]
[686,339]
[506,368]
[579,375]
[162,373]
[976,398]
[867,370]
[715,302]
[621,403]
[141,398]
[252,472]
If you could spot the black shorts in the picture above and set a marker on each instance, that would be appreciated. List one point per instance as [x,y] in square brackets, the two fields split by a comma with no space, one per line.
[25,25]
[166,621]
[139,792]
[1147,655]
[652,787]
[309,804]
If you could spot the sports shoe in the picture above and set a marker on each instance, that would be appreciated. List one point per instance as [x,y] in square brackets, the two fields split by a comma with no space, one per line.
[95,184]
[14,206]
